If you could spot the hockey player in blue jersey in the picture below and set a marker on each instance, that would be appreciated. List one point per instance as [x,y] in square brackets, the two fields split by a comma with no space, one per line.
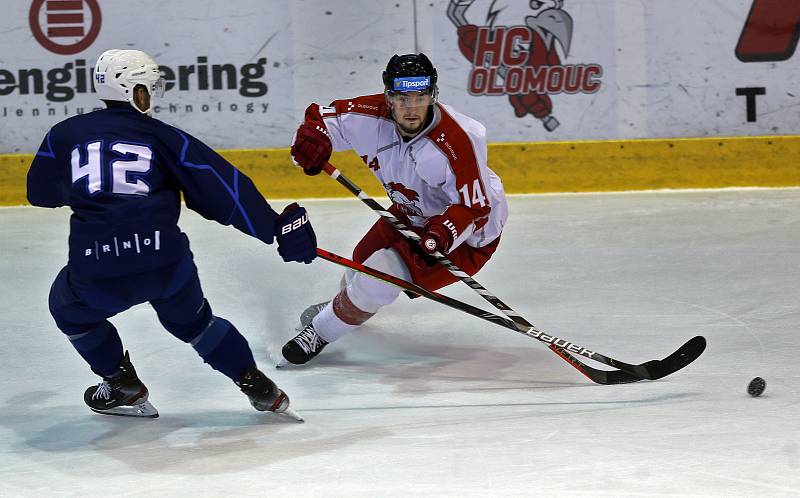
[122,173]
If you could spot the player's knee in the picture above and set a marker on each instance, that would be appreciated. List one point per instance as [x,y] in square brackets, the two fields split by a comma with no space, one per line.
[60,301]
[87,338]
[77,321]
[370,294]
[189,330]
[388,261]
[212,335]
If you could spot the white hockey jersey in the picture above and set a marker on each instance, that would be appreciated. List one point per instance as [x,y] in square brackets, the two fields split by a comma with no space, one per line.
[444,165]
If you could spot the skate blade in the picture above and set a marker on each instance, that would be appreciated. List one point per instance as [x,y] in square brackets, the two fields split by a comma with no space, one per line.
[277,359]
[292,414]
[145,409]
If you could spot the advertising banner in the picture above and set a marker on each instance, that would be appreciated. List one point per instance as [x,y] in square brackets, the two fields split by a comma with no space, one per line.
[225,73]
[240,73]
[582,69]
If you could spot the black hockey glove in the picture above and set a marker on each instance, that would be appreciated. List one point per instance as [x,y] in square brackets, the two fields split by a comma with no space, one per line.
[296,238]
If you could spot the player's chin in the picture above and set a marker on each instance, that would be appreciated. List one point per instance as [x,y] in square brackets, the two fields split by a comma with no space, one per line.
[412,126]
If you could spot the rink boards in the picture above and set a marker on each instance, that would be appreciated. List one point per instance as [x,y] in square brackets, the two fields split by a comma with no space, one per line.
[572,166]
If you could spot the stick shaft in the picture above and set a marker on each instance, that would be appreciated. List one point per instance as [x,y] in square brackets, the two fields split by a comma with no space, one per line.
[552,341]
[522,323]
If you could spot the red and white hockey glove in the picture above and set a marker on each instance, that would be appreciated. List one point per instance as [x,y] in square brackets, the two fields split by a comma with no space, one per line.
[311,147]
[439,234]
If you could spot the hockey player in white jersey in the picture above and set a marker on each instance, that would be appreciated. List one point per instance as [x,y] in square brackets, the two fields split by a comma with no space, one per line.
[432,161]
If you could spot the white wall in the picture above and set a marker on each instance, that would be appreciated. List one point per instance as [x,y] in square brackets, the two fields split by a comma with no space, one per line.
[668,68]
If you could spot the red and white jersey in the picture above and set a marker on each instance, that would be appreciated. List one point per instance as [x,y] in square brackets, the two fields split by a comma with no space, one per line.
[443,166]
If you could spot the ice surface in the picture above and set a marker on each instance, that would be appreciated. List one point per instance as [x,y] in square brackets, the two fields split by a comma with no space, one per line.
[427,401]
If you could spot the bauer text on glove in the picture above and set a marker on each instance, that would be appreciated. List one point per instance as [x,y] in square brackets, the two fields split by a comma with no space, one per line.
[296,239]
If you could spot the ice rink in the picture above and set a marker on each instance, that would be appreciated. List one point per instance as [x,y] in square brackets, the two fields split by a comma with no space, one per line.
[428,401]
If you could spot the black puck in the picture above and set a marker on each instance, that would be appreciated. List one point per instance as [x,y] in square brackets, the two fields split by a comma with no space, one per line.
[756,387]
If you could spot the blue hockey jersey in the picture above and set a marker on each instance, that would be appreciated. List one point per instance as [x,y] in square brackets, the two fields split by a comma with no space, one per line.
[122,173]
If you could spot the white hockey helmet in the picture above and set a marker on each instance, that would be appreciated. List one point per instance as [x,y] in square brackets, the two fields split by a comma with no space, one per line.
[117,73]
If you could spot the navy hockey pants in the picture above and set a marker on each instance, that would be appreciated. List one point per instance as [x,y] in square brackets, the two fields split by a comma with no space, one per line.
[81,309]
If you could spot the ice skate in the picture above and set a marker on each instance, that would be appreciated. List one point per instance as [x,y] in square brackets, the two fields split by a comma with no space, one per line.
[309,313]
[306,345]
[122,394]
[264,395]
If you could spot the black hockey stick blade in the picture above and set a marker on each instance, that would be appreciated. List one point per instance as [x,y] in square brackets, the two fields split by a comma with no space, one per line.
[610,377]
[684,355]
[596,375]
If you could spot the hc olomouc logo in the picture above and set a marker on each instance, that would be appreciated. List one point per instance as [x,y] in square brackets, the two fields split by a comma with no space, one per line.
[523,60]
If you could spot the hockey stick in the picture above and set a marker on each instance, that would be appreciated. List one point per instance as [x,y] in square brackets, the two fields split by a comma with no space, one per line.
[651,370]
[453,269]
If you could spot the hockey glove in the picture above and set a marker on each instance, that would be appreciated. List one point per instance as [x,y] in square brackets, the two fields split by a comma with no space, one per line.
[296,239]
[311,147]
[419,257]
[438,235]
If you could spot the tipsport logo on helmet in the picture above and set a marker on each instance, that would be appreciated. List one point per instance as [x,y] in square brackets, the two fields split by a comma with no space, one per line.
[65,27]
[523,61]
[411,83]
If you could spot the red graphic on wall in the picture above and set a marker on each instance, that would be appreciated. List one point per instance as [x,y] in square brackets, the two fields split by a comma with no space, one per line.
[523,61]
[771,31]
[65,27]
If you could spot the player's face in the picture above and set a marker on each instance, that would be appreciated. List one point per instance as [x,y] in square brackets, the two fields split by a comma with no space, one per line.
[141,97]
[410,110]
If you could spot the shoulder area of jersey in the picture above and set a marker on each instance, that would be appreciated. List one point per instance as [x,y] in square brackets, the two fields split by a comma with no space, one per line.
[122,111]
[451,119]
[72,122]
[373,105]
[109,119]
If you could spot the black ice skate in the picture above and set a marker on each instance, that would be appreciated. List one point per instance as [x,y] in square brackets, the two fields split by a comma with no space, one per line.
[306,345]
[309,313]
[264,394]
[122,394]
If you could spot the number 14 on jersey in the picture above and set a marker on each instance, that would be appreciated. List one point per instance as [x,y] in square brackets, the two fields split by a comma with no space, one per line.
[477,197]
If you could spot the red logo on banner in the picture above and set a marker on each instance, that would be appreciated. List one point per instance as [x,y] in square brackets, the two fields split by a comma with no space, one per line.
[523,61]
[65,27]
[771,31]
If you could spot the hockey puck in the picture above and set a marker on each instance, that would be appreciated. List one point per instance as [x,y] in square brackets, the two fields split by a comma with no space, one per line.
[756,387]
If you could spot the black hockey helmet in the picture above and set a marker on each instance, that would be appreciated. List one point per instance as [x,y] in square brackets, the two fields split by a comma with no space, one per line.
[410,73]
